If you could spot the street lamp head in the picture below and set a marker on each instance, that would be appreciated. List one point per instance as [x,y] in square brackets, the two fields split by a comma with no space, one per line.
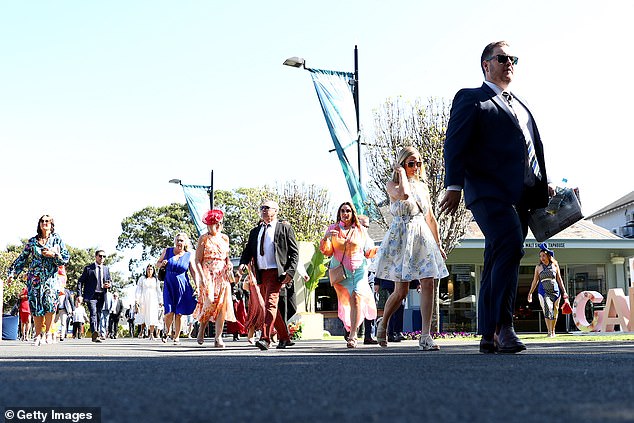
[175,181]
[296,62]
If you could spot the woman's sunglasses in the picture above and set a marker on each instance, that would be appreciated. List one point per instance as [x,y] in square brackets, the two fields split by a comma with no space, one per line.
[413,163]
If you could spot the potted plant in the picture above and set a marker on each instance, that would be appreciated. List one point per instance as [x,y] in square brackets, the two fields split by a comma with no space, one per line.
[308,324]
[10,295]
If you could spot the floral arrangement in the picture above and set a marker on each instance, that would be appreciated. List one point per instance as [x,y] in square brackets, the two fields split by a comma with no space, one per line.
[295,330]
[440,335]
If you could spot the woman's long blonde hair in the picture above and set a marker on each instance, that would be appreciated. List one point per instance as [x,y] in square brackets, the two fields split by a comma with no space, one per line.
[403,155]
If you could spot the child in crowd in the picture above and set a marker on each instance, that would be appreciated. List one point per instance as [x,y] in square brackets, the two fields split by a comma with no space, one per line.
[79,318]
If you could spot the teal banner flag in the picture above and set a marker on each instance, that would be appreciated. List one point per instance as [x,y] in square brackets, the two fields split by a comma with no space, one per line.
[334,90]
[197,197]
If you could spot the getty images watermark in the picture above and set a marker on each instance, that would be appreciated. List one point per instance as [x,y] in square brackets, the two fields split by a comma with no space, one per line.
[52,414]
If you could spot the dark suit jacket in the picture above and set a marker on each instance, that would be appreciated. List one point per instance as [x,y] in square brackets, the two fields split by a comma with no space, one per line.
[87,282]
[485,150]
[286,250]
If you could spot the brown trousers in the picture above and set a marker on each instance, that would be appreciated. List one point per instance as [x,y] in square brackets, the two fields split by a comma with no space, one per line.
[270,288]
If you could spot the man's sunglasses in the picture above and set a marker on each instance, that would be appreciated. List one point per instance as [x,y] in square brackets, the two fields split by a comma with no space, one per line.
[413,163]
[263,208]
[503,58]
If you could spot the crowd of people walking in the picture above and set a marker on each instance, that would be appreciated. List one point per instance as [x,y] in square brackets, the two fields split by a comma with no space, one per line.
[503,179]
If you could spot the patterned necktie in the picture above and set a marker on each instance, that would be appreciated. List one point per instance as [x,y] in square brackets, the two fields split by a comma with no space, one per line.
[530,148]
[265,227]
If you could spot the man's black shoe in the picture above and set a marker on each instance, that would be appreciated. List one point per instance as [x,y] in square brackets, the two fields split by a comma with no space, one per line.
[95,338]
[283,344]
[262,344]
[487,346]
[370,341]
[393,338]
[507,341]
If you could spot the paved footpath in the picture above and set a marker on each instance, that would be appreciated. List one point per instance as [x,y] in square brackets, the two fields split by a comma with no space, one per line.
[135,380]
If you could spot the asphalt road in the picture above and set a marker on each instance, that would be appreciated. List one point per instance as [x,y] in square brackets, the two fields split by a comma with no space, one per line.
[321,381]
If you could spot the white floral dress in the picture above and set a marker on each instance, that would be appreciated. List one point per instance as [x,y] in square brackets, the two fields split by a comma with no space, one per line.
[409,251]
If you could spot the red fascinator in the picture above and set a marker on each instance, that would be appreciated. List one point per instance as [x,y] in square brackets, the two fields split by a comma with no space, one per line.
[213,216]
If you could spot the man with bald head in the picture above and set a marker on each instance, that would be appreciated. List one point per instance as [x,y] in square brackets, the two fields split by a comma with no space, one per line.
[273,249]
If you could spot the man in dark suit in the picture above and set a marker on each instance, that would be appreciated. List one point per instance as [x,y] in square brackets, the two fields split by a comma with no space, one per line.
[273,249]
[93,284]
[494,152]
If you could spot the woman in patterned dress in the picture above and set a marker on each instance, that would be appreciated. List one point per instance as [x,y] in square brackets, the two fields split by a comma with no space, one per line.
[43,254]
[550,289]
[348,243]
[410,250]
[214,288]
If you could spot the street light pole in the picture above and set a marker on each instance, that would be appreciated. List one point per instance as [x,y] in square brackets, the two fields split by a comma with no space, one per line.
[211,192]
[299,62]
[355,95]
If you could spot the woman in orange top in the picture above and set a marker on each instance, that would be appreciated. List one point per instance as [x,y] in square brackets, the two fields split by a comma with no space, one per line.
[214,290]
[347,241]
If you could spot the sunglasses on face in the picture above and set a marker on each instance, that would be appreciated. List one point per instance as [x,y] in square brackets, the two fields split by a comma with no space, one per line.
[264,208]
[102,255]
[414,163]
[45,221]
[503,58]
[346,211]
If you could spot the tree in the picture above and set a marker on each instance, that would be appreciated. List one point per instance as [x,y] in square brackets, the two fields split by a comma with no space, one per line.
[79,258]
[12,291]
[152,229]
[398,123]
[241,213]
[306,207]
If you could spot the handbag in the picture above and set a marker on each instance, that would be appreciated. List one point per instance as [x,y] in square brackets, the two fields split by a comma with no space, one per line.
[338,273]
[562,211]
[565,308]
[161,273]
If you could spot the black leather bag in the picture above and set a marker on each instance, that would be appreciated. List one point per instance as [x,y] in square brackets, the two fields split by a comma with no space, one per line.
[161,274]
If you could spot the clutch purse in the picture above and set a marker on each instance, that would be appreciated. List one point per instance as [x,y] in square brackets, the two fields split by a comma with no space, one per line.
[562,210]
[565,308]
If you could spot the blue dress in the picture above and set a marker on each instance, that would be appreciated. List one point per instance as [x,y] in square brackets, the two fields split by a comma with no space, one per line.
[178,295]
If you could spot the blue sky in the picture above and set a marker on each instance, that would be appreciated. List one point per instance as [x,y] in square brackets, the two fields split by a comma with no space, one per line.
[101,103]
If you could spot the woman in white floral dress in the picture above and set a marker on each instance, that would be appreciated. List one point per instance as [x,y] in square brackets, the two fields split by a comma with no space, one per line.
[411,247]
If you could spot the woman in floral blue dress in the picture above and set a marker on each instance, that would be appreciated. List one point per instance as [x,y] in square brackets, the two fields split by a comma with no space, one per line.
[43,254]
[411,247]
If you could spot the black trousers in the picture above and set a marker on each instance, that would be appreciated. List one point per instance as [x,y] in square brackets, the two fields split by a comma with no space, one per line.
[504,227]
[113,324]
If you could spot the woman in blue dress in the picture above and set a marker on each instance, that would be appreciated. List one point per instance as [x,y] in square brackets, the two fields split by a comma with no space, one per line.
[42,254]
[178,294]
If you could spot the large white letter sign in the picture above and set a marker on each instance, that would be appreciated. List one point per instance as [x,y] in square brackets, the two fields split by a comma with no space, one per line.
[579,311]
